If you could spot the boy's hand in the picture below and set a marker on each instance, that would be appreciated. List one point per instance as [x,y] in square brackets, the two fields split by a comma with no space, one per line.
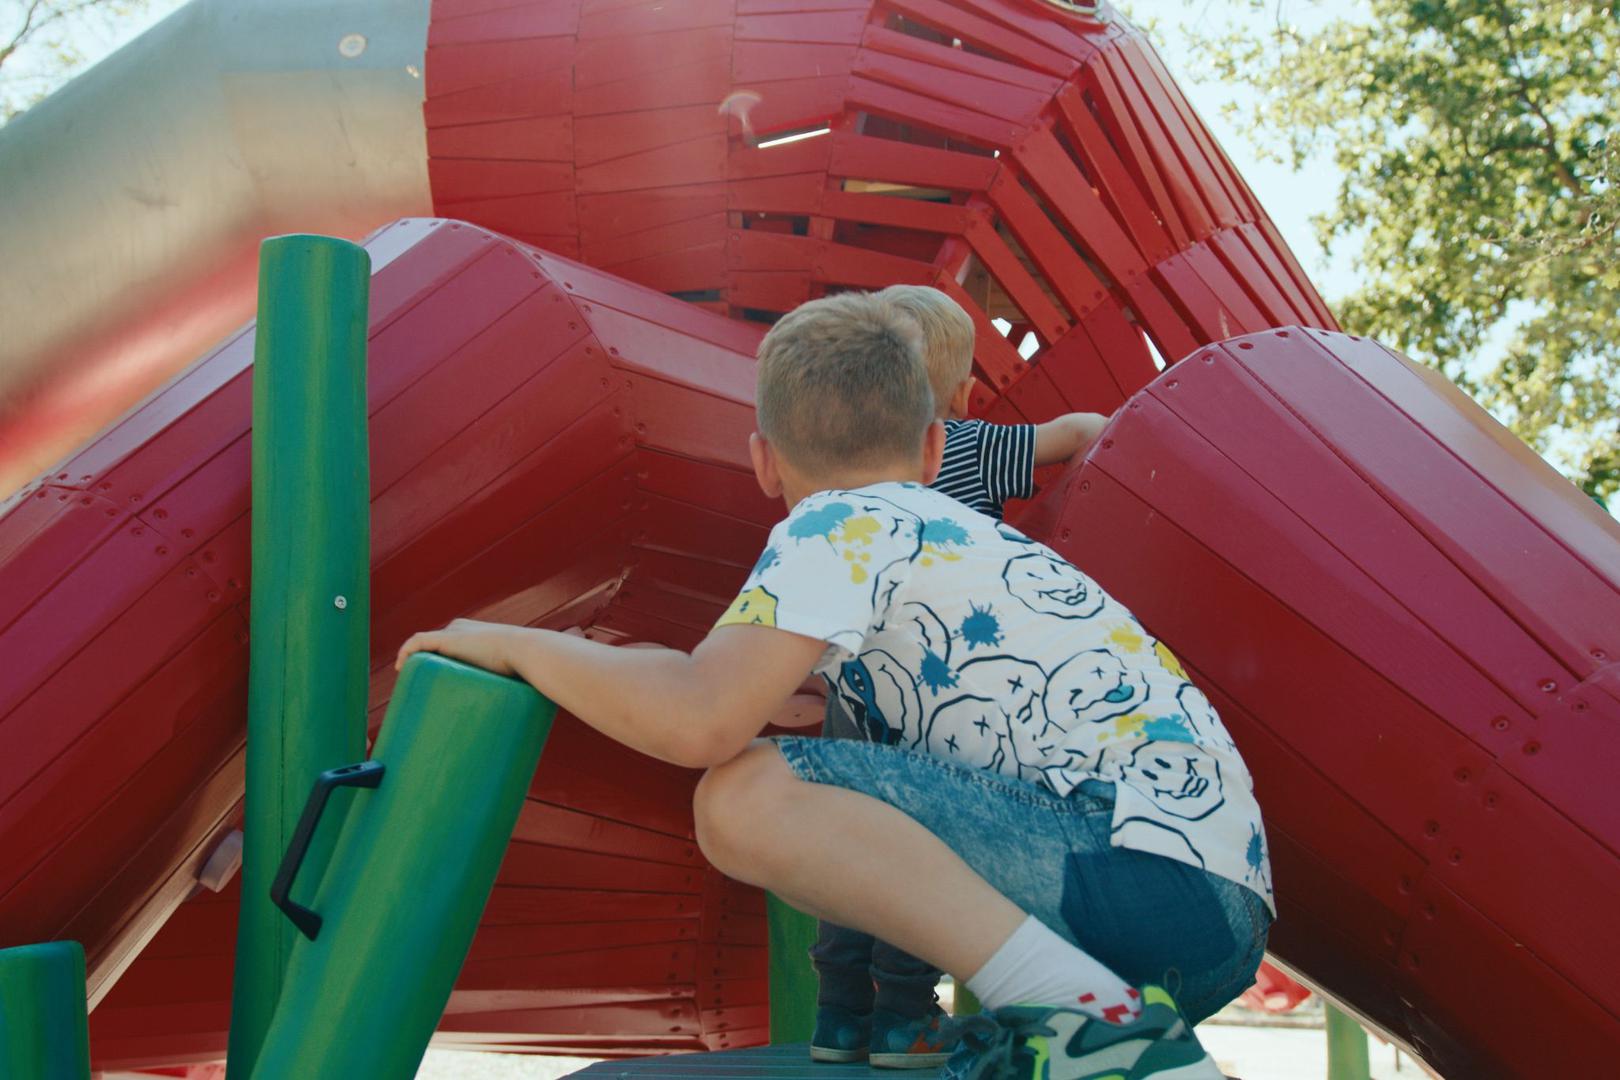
[1067,437]
[481,644]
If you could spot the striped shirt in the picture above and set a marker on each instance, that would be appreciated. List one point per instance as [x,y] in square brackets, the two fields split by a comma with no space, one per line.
[987,464]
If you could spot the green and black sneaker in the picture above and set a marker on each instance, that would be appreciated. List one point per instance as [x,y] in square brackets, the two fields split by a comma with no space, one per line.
[1044,1042]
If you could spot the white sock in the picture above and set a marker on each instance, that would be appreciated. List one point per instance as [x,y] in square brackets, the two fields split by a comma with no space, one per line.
[1036,967]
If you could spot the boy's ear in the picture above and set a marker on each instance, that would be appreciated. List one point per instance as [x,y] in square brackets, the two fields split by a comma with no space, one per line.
[958,406]
[766,470]
[933,451]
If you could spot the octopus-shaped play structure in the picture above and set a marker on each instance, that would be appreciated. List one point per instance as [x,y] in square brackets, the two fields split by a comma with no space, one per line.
[1408,621]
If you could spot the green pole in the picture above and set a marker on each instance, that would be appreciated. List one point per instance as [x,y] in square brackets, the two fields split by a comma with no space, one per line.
[793,980]
[44,1034]
[414,865]
[1347,1045]
[311,606]
[967,1002]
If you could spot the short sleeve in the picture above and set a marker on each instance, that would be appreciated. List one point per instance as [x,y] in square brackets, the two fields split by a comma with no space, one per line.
[1007,461]
[829,571]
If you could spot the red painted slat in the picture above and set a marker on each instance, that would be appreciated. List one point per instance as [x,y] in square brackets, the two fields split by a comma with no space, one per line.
[809,28]
[1241,264]
[539,138]
[624,213]
[604,138]
[654,17]
[1077,369]
[764,61]
[1115,116]
[881,39]
[1185,189]
[996,361]
[987,35]
[543,65]
[1055,176]
[982,95]
[1131,203]
[945,218]
[1065,271]
[934,115]
[863,157]
[505,24]
[793,104]
[675,237]
[456,181]
[693,162]
[704,80]
[1010,274]
[638,56]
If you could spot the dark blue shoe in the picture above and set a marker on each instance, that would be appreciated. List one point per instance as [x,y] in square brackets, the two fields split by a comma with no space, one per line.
[905,1042]
[842,1035]
[1040,1042]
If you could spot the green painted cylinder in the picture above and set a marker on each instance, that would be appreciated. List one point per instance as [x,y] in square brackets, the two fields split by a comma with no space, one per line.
[1348,1056]
[409,877]
[43,1030]
[311,609]
[793,979]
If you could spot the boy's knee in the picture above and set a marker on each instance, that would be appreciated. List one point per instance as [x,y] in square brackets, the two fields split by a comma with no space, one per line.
[735,804]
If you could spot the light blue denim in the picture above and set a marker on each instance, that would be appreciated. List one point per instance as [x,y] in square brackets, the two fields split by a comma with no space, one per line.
[1148,918]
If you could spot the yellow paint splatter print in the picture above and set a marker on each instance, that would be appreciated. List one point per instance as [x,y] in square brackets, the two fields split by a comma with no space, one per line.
[756,607]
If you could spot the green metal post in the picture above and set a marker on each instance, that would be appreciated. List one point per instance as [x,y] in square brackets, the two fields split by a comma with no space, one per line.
[311,601]
[413,868]
[1347,1045]
[43,1029]
[793,980]
[967,1002]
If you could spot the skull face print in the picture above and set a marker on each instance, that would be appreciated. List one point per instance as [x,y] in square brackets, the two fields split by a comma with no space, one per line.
[1181,779]
[1047,585]
[1092,687]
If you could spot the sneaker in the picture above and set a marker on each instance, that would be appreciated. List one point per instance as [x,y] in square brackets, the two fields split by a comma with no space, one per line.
[842,1035]
[904,1042]
[1041,1042]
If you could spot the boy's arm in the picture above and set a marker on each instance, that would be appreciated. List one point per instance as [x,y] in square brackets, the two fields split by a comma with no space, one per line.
[1067,436]
[696,709]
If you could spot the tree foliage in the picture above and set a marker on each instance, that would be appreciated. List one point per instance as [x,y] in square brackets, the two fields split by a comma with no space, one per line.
[1478,145]
[42,43]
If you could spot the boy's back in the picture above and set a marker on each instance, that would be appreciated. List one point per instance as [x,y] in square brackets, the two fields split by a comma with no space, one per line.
[956,635]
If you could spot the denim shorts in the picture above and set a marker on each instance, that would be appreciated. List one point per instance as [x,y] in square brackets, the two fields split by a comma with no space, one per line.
[1148,918]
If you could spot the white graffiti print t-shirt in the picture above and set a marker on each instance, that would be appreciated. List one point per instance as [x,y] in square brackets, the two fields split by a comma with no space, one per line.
[951,633]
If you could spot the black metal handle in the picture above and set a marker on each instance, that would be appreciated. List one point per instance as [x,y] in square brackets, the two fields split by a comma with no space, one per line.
[367,774]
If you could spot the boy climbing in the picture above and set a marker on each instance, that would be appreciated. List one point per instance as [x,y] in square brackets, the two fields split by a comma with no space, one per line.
[875,1001]
[1058,817]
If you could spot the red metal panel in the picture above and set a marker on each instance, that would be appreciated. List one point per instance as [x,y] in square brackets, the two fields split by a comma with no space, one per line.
[505,24]
[1131,203]
[1397,689]
[864,157]
[987,35]
[1021,288]
[810,28]
[982,94]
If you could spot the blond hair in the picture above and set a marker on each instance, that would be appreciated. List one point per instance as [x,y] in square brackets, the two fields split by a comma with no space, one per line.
[947,336]
[842,384]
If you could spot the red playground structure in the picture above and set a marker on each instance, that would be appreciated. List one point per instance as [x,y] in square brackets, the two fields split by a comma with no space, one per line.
[1408,621]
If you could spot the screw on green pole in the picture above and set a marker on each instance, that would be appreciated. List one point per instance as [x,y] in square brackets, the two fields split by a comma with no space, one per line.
[311,607]
[1347,1045]
[793,980]
[410,875]
[43,1030]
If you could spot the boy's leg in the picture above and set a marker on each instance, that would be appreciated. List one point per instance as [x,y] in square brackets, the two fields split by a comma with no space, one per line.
[905,984]
[900,882]
[842,956]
